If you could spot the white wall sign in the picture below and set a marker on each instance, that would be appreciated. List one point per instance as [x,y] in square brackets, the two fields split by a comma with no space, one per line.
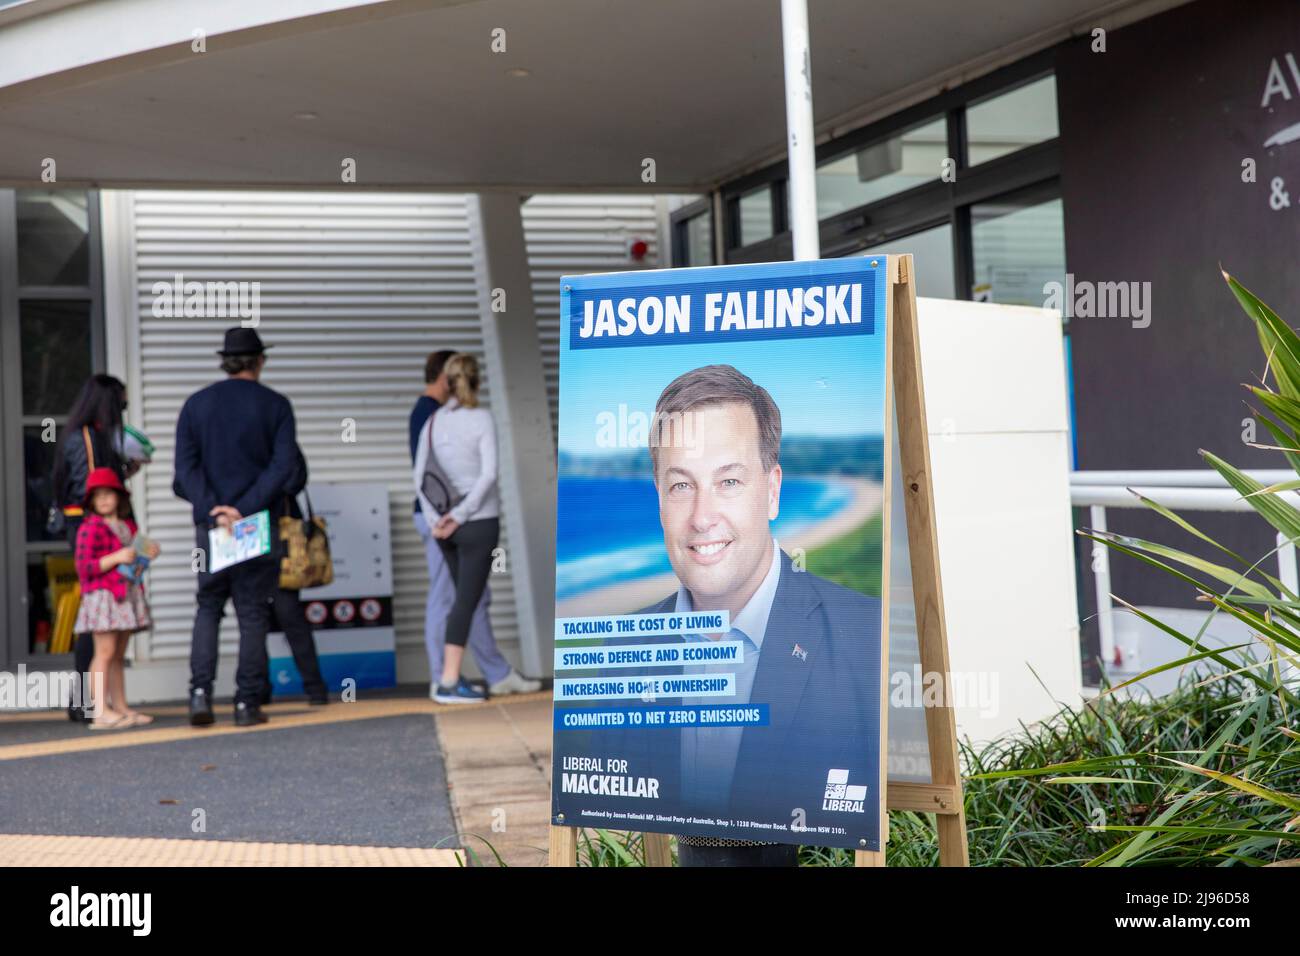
[351,618]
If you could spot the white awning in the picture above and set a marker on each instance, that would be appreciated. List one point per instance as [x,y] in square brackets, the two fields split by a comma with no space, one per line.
[412,90]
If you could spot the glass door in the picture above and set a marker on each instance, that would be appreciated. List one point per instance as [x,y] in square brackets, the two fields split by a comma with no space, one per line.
[51,340]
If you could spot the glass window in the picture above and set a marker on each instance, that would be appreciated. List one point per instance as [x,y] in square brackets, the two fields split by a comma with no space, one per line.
[1018,246]
[699,240]
[756,215]
[38,462]
[931,257]
[882,169]
[53,237]
[1010,121]
[56,357]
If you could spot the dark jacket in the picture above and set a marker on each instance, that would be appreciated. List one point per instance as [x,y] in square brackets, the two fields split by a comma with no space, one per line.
[824,713]
[296,486]
[76,467]
[235,445]
[424,407]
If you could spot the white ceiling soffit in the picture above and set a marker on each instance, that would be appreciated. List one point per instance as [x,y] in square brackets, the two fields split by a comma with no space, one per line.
[585,92]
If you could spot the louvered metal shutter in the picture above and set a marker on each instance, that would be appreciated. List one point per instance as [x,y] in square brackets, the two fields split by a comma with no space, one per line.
[573,235]
[356,289]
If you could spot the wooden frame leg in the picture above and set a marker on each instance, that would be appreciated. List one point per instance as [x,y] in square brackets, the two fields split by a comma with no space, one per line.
[658,852]
[564,847]
[923,548]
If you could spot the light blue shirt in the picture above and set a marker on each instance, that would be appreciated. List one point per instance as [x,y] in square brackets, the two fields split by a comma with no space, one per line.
[709,753]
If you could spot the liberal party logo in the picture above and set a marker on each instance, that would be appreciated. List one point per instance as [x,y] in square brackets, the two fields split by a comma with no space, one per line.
[841,796]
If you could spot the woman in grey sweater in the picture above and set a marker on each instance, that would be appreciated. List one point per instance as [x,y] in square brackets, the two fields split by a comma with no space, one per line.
[460,438]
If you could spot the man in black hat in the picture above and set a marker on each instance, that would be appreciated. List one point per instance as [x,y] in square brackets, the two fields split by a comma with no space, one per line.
[236,453]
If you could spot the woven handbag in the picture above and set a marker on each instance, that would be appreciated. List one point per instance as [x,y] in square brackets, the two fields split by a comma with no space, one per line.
[307,562]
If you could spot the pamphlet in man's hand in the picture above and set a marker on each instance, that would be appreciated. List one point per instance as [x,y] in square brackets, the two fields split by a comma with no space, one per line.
[244,540]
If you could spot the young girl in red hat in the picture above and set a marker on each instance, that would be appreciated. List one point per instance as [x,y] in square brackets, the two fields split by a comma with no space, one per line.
[112,605]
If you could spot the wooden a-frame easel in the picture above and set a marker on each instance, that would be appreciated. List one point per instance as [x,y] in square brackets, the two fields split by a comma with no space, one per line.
[942,796]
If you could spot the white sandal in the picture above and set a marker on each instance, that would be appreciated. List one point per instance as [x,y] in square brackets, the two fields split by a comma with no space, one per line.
[119,724]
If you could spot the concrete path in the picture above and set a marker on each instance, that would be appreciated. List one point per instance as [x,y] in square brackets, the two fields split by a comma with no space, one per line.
[498,764]
[275,794]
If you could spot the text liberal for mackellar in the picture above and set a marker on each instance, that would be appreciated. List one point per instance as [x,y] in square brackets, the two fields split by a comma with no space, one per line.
[608,779]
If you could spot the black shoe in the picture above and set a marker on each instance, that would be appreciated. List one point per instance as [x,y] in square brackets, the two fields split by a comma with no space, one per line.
[318,695]
[266,696]
[200,708]
[320,701]
[249,715]
[78,716]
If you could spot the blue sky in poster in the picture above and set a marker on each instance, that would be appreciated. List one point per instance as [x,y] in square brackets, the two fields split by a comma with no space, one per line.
[823,386]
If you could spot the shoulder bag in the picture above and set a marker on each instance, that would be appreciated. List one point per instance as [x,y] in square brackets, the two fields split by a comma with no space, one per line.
[307,562]
[435,484]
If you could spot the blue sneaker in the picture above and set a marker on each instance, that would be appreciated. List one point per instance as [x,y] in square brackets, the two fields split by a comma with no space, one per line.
[463,693]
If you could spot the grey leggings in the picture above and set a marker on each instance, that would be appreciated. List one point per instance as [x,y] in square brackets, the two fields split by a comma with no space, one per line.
[469,559]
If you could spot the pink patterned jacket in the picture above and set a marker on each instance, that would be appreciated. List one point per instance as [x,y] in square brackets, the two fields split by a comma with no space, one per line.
[94,540]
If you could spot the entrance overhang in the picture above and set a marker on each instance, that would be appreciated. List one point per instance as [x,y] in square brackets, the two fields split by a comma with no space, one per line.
[472,95]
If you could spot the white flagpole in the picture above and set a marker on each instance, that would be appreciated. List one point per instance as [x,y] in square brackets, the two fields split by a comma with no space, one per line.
[799,129]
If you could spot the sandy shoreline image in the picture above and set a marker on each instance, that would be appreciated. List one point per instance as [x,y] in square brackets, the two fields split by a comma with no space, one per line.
[629,596]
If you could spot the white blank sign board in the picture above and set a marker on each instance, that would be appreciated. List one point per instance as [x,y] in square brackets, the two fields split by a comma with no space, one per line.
[998,420]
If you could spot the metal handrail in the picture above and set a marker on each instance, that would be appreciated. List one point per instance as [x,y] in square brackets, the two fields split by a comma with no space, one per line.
[1178,477]
[1171,496]
[1185,490]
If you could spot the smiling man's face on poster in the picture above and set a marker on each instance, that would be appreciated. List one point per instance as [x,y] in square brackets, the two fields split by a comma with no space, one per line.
[715,504]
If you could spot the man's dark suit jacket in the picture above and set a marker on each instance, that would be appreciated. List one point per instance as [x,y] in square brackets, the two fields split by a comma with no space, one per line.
[824,713]
[236,445]
[296,485]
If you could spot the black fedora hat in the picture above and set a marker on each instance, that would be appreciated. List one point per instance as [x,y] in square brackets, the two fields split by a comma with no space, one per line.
[242,341]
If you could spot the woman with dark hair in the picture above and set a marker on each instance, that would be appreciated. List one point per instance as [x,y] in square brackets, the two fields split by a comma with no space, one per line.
[93,429]
[92,438]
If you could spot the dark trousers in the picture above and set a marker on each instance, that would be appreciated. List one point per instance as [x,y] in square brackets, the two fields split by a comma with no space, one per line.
[252,586]
[469,559]
[84,650]
[83,644]
[290,619]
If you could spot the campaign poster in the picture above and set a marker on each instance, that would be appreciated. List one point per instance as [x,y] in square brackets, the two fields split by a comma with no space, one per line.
[352,617]
[718,624]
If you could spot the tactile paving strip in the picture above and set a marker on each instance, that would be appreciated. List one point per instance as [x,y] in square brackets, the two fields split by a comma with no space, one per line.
[39,850]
